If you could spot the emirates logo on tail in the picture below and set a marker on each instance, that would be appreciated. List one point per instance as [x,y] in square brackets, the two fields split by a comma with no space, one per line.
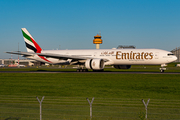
[31,44]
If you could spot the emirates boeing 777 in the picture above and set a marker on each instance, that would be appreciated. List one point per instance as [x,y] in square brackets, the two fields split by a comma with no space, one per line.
[95,59]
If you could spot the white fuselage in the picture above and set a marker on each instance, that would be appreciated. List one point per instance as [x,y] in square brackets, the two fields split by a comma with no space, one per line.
[115,56]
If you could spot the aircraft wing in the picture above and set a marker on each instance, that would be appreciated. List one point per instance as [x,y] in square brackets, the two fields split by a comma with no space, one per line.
[52,55]
[62,56]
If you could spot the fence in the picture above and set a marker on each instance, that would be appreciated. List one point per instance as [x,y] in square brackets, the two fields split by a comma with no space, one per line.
[77,108]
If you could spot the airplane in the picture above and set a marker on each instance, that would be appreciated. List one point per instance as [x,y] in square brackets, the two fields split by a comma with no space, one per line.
[95,59]
[2,65]
[21,65]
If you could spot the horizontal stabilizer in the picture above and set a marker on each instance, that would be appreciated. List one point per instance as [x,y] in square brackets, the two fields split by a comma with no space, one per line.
[21,53]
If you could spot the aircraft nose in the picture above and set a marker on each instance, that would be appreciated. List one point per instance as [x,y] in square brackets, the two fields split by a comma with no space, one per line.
[175,58]
[172,59]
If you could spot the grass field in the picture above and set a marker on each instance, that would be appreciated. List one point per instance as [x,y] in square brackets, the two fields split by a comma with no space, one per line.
[163,86]
[117,96]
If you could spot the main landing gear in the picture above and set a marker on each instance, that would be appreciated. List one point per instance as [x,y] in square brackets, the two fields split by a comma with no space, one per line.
[82,70]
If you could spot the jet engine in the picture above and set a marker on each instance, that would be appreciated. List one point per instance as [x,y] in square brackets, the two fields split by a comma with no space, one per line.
[122,66]
[95,64]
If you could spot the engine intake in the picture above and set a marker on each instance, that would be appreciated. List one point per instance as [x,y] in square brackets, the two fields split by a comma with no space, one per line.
[95,64]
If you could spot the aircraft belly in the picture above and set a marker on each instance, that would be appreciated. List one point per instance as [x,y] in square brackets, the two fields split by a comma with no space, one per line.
[137,62]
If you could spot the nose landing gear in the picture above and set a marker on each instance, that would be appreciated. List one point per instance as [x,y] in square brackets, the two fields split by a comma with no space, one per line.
[162,69]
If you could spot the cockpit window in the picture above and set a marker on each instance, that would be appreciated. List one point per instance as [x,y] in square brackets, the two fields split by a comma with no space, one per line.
[170,54]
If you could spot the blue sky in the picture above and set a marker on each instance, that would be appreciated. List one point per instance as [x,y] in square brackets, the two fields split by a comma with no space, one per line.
[72,24]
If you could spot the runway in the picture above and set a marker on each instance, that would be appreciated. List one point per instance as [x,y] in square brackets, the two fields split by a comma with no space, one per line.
[105,72]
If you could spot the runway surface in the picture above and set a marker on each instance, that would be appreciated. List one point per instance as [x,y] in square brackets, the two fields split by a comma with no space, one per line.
[89,72]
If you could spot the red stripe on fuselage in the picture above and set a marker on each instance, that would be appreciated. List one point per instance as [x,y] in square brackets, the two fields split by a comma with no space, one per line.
[44,59]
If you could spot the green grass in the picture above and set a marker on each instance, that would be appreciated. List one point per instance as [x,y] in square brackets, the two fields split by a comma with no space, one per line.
[94,85]
[117,96]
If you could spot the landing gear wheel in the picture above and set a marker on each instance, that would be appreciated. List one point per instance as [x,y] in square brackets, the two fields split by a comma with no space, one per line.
[162,70]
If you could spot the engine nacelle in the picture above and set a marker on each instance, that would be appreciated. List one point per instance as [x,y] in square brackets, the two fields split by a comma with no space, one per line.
[122,66]
[95,64]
